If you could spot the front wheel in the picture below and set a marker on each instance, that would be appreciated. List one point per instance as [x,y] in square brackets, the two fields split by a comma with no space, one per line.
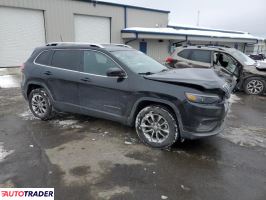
[254,86]
[156,127]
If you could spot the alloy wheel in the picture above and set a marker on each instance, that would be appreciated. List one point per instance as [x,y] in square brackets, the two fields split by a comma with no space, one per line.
[155,127]
[39,105]
[255,87]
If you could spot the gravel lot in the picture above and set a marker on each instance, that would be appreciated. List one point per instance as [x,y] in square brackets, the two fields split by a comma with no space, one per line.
[88,158]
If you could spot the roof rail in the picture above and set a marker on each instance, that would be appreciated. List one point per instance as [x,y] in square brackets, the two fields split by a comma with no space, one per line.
[74,43]
[119,45]
[213,45]
[206,45]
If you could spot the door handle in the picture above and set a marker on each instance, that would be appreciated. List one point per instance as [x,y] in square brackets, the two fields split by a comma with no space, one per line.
[85,79]
[48,73]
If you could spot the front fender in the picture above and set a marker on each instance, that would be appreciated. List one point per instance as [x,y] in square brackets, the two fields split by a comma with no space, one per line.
[131,118]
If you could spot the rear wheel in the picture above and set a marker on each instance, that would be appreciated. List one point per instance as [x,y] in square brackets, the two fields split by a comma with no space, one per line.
[254,86]
[156,127]
[40,104]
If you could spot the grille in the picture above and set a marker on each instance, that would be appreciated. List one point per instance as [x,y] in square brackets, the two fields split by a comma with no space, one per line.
[227,90]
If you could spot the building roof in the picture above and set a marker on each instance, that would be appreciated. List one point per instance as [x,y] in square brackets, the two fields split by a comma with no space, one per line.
[191,33]
[124,6]
[191,27]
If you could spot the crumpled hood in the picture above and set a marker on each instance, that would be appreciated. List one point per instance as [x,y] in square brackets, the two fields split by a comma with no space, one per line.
[206,78]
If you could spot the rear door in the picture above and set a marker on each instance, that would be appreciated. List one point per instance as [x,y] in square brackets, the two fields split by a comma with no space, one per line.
[194,58]
[200,58]
[63,77]
[98,93]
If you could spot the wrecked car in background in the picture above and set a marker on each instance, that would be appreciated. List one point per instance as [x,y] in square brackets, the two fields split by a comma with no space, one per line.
[238,69]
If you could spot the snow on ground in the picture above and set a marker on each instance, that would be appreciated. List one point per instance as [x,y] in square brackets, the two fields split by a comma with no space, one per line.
[27,115]
[62,123]
[234,99]
[245,136]
[67,123]
[9,81]
[4,153]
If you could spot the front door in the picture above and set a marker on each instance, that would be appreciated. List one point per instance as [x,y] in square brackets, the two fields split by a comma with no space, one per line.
[227,66]
[99,94]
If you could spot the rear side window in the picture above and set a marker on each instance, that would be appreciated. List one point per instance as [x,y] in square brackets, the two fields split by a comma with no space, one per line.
[201,56]
[67,59]
[184,54]
[44,58]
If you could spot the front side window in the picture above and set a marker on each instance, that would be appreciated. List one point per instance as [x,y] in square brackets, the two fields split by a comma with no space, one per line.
[201,56]
[97,63]
[226,62]
[67,59]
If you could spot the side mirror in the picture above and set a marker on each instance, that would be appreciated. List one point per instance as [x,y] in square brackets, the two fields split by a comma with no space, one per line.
[115,72]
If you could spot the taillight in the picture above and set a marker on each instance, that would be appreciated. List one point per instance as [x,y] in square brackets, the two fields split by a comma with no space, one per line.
[22,66]
[169,60]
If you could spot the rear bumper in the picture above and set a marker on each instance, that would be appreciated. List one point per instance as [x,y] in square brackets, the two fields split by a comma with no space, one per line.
[203,120]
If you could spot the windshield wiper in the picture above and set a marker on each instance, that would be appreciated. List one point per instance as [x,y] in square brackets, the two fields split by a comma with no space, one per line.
[164,70]
[146,73]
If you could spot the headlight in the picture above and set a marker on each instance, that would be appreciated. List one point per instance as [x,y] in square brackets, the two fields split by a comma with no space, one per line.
[204,99]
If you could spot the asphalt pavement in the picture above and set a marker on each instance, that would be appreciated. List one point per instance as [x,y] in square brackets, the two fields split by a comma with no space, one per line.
[87,158]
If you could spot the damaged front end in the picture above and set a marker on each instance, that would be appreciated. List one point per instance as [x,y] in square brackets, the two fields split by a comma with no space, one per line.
[204,112]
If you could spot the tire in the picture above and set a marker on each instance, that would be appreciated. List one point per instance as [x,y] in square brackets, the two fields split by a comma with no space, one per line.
[254,86]
[153,132]
[40,104]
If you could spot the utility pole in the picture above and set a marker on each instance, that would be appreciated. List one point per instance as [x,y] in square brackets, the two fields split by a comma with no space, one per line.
[198,18]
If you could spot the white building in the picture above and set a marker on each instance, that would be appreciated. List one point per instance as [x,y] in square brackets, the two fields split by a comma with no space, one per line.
[159,42]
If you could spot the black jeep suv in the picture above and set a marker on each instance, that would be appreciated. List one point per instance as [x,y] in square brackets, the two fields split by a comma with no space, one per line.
[118,83]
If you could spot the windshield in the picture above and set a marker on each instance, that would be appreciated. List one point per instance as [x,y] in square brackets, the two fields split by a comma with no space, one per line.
[243,57]
[138,62]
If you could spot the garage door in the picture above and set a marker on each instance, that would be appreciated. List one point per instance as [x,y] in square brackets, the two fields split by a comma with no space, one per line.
[21,30]
[92,29]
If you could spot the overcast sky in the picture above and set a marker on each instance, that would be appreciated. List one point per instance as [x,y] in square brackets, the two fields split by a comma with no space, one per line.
[242,15]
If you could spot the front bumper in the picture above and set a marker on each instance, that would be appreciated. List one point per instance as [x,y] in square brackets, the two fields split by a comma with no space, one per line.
[203,120]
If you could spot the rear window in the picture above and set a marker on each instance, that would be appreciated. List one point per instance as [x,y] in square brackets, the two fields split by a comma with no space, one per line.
[67,59]
[201,56]
[44,58]
[184,54]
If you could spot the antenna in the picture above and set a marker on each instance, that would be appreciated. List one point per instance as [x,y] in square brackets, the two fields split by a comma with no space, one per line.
[198,18]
